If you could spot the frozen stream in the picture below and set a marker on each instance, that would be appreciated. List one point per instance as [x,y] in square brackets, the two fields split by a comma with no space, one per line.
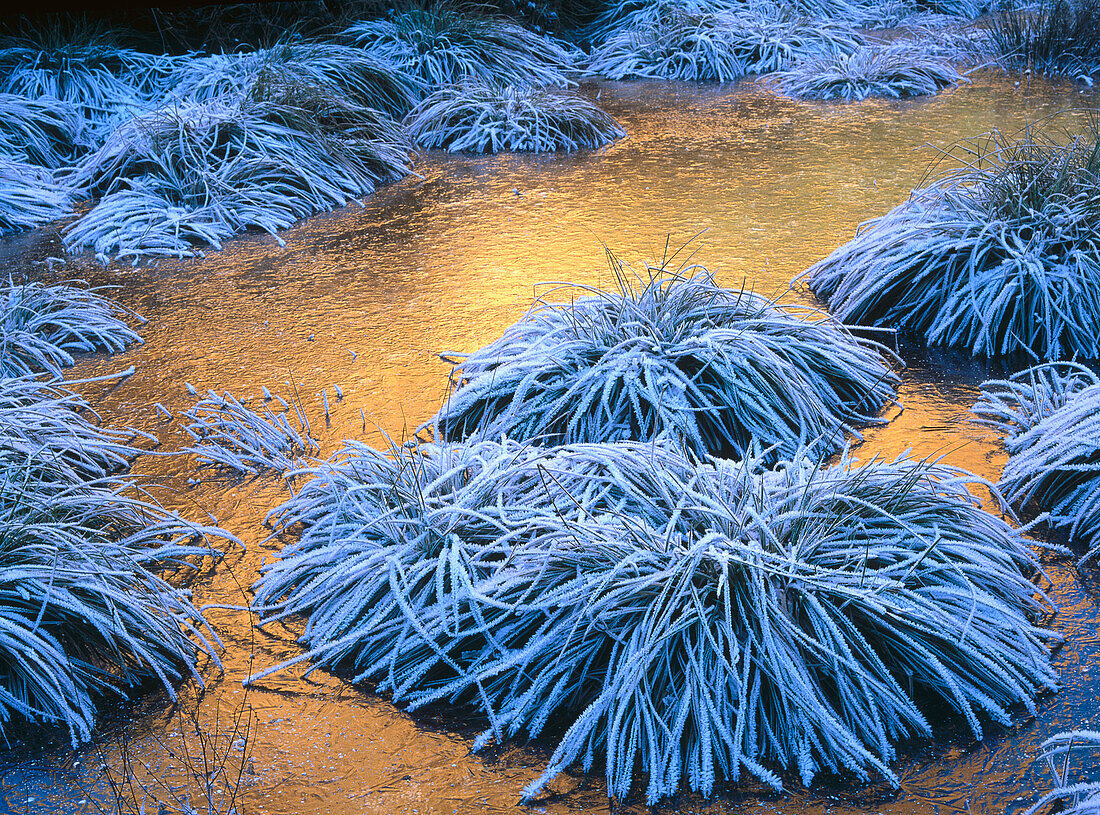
[367,298]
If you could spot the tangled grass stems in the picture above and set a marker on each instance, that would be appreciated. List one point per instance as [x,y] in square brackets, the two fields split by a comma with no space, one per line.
[870,70]
[43,131]
[1000,256]
[84,611]
[647,612]
[1072,797]
[351,72]
[482,119]
[42,327]
[446,44]
[672,355]
[1057,37]
[201,172]
[1049,417]
[237,438]
[30,195]
[716,46]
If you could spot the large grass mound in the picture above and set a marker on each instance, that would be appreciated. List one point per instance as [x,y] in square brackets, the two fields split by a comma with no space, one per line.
[42,327]
[1056,37]
[351,72]
[484,119]
[674,356]
[870,70]
[691,622]
[1049,417]
[998,257]
[670,43]
[445,44]
[197,173]
[84,613]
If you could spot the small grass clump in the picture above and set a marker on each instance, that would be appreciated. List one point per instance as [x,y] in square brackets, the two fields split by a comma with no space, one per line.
[84,612]
[1049,417]
[998,257]
[673,356]
[1056,37]
[1069,796]
[715,46]
[234,437]
[870,70]
[444,44]
[45,132]
[482,119]
[30,196]
[694,622]
[350,73]
[201,172]
[42,327]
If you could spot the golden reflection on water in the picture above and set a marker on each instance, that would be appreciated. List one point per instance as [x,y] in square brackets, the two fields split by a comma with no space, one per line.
[366,298]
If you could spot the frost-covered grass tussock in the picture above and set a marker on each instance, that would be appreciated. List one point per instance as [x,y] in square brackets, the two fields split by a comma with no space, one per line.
[84,613]
[1049,417]
[445,44]
[870,70]
[998,257]
[669,43]
[42,327]
[484,119]
[350,72]
[43,131]
[200,172]
[30,195]
[1072,796]
[233,437]
[691,623]
[675,356]
[1057,37]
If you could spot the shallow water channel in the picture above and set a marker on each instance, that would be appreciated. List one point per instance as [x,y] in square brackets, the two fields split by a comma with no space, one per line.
[366,298]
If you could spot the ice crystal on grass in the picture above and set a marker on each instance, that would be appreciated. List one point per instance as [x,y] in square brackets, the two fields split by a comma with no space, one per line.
[695,622]
[671,355]
[30,195]
[718,46]
[84,614]
[999,257]
[1072,797]
[870,70]
[351,72]
[1050,419]
[200,172]
[41,327]
[482,119]
[445,45]
[1059,37]
[42,131]
[237,438]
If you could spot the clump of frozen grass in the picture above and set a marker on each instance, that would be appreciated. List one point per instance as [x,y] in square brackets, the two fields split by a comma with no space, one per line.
[43,131]
[1072,797]
[84,614]
[444,44]
[233,437]
[672,355]
[351,72]
[718,46]
[695,622]
[201,172]
[30,195]
[42,327]
[1050,419]
[1059,37]
[998,257]
[100,80]
[484,119]
[870,70]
